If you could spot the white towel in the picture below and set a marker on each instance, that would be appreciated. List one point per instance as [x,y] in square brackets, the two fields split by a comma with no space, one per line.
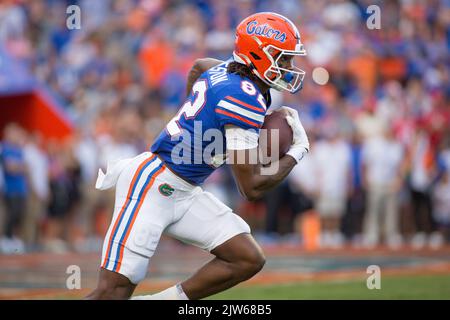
[113,170]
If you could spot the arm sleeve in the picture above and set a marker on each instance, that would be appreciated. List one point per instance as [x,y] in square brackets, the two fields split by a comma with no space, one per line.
[241,139]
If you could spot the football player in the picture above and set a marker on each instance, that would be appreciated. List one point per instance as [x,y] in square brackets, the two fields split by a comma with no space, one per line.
[160,191]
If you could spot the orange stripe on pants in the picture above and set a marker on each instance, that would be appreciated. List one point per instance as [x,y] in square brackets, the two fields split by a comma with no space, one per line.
[141,201]
[125,205]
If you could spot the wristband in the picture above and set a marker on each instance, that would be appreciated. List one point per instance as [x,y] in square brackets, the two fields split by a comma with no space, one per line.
[297,152]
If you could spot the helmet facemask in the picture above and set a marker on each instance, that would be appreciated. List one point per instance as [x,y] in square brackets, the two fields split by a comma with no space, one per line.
[280,78]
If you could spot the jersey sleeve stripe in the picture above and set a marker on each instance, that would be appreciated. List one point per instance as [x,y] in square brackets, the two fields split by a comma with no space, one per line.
[244,112]
[235,116]
[242,103]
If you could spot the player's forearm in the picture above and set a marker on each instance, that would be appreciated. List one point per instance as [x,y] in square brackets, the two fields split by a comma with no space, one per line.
[264,180]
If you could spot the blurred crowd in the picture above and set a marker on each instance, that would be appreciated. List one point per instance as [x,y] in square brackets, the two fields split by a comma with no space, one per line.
[379,167]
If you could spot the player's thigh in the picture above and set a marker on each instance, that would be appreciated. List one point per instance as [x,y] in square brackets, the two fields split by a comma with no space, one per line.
[207,223]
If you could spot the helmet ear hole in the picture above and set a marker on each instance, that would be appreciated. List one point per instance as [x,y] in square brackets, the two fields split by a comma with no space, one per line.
[255,56]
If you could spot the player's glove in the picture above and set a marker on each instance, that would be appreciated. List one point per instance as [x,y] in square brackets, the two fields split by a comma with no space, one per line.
[300,142]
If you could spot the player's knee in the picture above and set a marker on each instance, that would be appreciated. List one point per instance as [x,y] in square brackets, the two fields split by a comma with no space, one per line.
[251,264]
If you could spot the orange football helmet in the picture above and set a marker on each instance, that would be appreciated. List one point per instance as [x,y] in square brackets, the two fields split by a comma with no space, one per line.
[267,42]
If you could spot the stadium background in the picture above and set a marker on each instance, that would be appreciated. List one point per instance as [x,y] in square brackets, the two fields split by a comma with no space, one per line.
[375,189]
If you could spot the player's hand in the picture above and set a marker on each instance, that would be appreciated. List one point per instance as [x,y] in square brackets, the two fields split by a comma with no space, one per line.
[299,134]
[300,142]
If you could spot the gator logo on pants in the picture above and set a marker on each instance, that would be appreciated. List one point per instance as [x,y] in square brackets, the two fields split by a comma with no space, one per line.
[166,189]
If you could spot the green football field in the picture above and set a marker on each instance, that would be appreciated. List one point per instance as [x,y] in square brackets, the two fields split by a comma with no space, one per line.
[392,287]
[288,275]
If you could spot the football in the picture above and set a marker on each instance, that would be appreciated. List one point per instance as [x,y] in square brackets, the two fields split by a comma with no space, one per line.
[272,122]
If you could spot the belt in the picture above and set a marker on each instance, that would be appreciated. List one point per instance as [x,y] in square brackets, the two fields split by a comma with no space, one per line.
[193,184]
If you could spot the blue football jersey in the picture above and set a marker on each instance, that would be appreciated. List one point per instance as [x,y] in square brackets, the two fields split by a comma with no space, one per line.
[193,143]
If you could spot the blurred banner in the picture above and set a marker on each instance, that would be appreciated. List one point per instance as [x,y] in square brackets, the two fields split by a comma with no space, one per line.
[23,101]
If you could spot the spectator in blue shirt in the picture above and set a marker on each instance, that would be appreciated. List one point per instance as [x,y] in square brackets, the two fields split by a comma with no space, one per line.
[15,185]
